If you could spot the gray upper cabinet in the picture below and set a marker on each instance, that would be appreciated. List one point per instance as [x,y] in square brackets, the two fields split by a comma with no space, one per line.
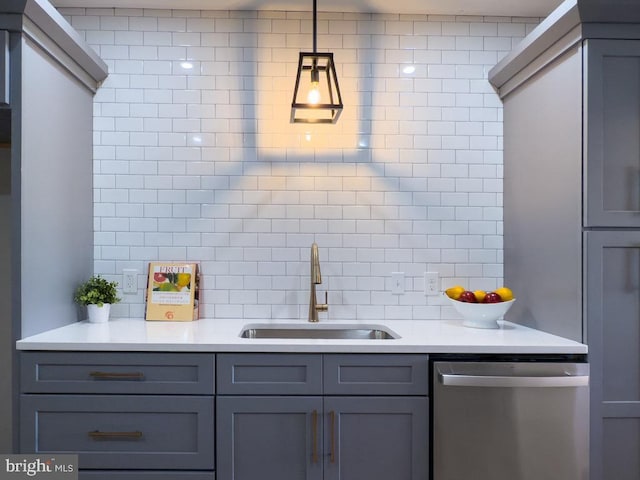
[612,141]
[4,68]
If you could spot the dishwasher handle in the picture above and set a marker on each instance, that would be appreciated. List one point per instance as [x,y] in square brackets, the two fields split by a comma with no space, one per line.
[457,380]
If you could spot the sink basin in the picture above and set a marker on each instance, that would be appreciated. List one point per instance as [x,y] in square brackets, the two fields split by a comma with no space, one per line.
[320,331]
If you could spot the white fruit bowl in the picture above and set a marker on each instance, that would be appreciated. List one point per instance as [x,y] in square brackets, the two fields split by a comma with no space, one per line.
[481,315]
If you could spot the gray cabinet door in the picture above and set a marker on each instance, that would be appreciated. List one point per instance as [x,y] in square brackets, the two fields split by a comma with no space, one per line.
[612,143]
[269,438]
[613,322]
[376,438]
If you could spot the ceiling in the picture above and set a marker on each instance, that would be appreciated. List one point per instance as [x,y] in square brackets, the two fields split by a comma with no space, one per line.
[523,8]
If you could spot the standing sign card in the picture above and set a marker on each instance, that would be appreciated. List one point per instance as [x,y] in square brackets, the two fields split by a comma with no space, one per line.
[172,292]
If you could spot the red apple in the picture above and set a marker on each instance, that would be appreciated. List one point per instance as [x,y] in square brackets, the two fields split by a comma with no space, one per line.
[492,297]
[468,297]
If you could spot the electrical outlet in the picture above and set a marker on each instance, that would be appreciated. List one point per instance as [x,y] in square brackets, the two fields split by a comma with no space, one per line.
[397,283]
[129,280]
[431,283]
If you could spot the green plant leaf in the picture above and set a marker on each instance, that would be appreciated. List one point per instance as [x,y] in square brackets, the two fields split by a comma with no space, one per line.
[96,291]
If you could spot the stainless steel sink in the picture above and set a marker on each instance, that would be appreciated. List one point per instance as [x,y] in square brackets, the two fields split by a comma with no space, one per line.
[315,331]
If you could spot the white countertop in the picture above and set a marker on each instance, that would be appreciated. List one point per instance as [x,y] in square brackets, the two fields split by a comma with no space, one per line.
[222,335]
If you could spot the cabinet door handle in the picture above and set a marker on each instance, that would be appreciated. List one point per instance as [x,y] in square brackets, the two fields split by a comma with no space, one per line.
[98,435]
[314,434]
[332,455]
[116,375]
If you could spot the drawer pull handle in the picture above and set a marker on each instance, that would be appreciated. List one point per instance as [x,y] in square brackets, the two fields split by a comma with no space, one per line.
[98,435]
[314,434]
[332,457]
[117,375]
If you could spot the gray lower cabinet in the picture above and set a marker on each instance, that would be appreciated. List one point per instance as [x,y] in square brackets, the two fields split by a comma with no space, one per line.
[613,322]
[367,419]
[106,408]
[138,416]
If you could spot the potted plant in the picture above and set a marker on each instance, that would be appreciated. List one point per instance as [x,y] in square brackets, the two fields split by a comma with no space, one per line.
[97,294]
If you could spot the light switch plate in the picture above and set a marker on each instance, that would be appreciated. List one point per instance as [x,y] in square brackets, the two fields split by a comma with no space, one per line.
[397,283]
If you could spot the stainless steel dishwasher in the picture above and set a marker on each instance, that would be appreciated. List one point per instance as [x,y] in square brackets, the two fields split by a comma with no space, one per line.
[510,421]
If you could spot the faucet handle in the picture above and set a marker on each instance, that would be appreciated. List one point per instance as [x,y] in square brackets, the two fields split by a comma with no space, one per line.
[324,307]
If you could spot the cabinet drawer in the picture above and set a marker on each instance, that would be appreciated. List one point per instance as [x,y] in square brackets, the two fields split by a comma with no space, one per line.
[123,432]
[269,374]
[375,374]
[133,373]
[147,475]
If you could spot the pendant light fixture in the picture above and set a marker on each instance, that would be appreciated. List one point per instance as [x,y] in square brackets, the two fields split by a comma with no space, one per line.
[316,96]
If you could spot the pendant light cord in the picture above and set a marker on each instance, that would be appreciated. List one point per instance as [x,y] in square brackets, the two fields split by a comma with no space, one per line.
[315,22]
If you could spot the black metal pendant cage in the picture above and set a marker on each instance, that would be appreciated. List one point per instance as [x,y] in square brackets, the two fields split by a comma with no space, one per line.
[316,69]
[316,96]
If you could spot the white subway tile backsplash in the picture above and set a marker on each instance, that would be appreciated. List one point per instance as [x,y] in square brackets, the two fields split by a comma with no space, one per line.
[195,158]
[98,38]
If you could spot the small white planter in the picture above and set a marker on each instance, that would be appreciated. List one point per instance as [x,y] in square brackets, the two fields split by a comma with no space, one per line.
[99,314]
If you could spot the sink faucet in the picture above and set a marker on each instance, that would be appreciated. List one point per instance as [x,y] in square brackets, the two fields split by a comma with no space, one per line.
[316,279]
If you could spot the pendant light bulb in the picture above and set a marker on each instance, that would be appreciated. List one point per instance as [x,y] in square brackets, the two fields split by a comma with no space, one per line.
[313,97]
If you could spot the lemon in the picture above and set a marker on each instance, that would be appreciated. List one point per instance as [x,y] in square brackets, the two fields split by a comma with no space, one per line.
[480,294]
[505,293]
[454,292]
